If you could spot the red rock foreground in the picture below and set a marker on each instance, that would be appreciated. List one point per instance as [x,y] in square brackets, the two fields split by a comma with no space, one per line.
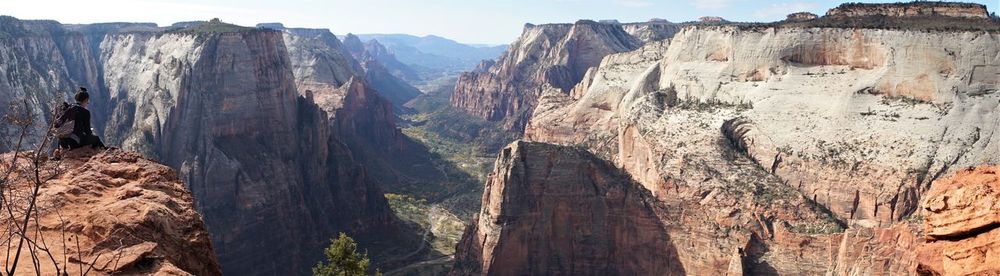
[111,212]
[962,224]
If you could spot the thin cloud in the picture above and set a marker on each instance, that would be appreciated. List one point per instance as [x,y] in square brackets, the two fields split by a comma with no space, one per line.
[779,10]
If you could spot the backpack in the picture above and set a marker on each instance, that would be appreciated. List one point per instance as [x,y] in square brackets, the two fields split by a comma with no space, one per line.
[63,125]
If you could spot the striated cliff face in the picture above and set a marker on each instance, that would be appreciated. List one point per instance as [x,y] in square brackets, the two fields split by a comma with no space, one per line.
[264,164]
[854,123]
[551,210]
[912,9]
[321,64]
[652,30]
[556,55]
[116,210]
[40,63]
[798,103]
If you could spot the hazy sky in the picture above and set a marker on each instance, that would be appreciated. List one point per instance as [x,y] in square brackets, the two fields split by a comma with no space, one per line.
[469,21]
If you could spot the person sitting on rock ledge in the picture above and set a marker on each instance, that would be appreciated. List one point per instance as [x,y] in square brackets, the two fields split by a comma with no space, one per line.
[78,115]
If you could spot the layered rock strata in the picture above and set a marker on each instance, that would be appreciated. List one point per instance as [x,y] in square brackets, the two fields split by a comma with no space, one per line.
[912,9]
[962,223]
[796,108]
[551,210]
[263,163]
[556,55]
[323,65]
[110,213]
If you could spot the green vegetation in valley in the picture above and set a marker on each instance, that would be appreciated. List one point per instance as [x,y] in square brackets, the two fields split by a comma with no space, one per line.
[468,143]
[463,149]
[443,229]
[435,116]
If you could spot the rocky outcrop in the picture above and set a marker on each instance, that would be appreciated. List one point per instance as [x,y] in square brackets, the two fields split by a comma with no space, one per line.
[801,16]
[556,55]
[962,223]
[911,9]
[112,212]
[551,210]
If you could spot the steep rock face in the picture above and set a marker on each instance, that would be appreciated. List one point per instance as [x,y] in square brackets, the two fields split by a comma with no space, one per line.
[354,45]
[863,249]
[397,91]
[551,210]
[594,102]
[652,30]
[361,108]
[797,102]
[556,55]
[122,212]
[262,162]
[913,9]
[962,224]
[322,65]
[144,75]
[383,71]
[269,171]
[376,51]
[367,120]
[43,64]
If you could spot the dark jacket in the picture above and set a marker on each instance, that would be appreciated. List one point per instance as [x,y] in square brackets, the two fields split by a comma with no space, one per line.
[81,119]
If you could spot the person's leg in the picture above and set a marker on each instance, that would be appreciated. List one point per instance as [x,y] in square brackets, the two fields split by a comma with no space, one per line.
[98,143]
[68,144]
[92,141]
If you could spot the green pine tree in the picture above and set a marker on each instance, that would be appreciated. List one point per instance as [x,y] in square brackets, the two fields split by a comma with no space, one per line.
[343,259]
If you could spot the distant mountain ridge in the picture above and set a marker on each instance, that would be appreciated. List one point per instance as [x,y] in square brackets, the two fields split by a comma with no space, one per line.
[435,55]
